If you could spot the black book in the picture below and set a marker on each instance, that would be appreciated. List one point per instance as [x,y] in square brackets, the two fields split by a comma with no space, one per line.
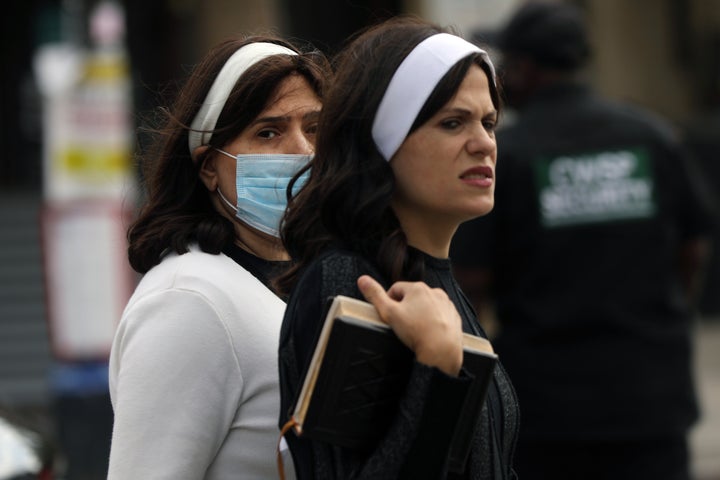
[358,373]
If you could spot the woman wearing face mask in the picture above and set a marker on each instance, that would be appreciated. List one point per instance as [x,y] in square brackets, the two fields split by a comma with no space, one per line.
[193,368]
[406,152]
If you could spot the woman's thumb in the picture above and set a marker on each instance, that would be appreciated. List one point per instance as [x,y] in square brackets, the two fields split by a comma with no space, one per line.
[372,291]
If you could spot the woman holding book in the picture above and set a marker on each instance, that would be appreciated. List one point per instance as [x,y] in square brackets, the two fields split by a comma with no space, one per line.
[193,367]
[406,152]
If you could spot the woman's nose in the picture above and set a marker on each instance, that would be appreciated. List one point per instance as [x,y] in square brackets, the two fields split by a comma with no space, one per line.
[299,142]
[482,141]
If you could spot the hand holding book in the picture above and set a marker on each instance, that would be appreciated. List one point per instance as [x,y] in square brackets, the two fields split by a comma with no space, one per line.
[360,366]
[423,318]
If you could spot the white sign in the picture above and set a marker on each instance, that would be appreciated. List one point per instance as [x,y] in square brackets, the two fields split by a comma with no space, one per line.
[88,279]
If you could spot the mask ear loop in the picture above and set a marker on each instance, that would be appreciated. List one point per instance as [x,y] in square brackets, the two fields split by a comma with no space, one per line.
[234,157]
[222,197]
[227,202]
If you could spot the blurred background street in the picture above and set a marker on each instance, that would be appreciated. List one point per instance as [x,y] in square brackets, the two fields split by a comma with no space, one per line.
[81,77]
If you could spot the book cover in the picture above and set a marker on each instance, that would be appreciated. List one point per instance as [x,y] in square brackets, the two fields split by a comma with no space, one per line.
[358,374]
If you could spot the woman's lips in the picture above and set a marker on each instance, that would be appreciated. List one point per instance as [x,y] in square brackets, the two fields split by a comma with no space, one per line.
[478,176]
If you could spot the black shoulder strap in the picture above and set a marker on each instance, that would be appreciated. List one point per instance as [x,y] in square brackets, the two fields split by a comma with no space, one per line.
[339,276]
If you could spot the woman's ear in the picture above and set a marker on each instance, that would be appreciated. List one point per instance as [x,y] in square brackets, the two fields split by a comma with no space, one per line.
[208,171]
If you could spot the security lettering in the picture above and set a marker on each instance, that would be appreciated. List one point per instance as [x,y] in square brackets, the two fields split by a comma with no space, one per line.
[595,188]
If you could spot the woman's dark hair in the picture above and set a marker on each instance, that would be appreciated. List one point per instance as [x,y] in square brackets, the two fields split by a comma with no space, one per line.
[178,210]
[346,201]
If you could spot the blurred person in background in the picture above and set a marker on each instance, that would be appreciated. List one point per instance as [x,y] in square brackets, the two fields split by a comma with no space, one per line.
[591,258]
[193,368]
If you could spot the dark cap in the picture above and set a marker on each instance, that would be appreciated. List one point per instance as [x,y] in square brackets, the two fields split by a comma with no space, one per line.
[552,34]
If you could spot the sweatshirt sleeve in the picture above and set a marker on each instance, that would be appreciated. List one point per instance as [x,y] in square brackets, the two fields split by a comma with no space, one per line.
[175,385]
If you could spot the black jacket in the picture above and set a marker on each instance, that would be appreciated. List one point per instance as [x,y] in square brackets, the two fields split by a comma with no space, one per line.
[416,444]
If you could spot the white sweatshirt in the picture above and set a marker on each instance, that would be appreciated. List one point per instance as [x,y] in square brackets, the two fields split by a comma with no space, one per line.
[193,374]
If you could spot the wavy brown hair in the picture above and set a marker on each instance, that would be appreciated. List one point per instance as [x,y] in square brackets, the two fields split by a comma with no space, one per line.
[178,210]
[346,201]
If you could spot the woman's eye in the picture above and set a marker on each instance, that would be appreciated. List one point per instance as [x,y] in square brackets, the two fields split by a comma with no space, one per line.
[450,124]
[268,134]
[311,129]
[490,125]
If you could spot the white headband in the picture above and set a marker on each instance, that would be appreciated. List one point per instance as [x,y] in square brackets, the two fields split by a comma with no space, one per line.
[413,82]
[245,57]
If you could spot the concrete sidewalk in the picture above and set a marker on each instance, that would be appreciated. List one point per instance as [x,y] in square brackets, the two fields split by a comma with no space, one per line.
[705,438]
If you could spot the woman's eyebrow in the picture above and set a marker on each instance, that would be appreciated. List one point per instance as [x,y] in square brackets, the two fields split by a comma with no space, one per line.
[460,110]
[280,118]
[313,115]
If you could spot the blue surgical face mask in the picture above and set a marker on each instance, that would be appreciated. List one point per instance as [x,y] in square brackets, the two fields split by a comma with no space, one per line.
[261,181]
